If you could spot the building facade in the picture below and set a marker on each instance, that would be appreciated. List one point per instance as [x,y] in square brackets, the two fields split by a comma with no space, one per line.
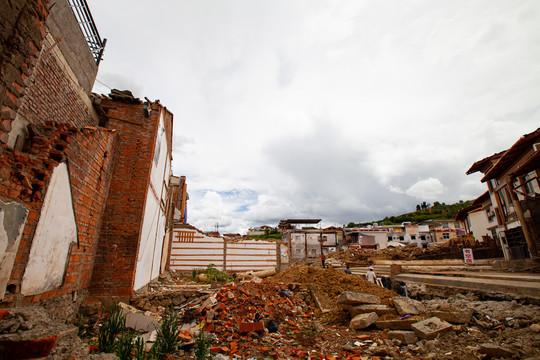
[514,190]
[67,161]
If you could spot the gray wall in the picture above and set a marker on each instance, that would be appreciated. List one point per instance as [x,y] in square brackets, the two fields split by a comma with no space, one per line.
[63,25]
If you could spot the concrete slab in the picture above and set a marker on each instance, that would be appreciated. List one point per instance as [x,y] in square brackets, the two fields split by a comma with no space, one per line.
[521,288]
[379,309]
[407,306]
[137,320]
[453,315]
[396,324]
[430,328]
[362,321]
[356,298]
[494,350]
[406,337]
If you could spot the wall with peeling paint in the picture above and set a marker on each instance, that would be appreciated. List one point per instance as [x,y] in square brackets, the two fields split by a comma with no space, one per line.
[153,229]
[55,232]
[12,220]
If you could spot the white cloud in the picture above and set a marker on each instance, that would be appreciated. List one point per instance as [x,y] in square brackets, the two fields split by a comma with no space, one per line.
[326,109]
[427,189]
[395,189]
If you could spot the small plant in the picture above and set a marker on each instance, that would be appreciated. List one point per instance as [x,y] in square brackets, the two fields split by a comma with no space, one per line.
[111,328]
[124,346]
[214,274]
[202,346]
[167,336]
[211,272]
[194,273]
[139,351]
[79,322]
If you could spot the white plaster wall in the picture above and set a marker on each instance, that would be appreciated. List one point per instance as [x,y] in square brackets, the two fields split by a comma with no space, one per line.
[479,224]
[205,250]
[55,232]
[381,239]
[153,228]
[12,219]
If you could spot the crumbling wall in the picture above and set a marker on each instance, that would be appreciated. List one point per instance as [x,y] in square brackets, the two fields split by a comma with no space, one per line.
[55,93]
[117,256]
[25,180]
[154,221]
[22,30]
[56,230]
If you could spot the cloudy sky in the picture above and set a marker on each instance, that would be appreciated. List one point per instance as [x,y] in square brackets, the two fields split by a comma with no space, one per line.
[340,110]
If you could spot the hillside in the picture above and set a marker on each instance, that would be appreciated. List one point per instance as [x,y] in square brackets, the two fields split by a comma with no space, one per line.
[424,211]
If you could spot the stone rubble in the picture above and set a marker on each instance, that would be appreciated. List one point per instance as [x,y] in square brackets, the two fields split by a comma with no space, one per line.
[280,319]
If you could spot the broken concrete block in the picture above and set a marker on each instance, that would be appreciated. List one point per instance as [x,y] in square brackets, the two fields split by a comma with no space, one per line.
[362,321]
[493,350]
[210,315]
[430,328]
[396,324]
[149,339]
[379,309]
[210,302]
[406,337]
[193,329]
[454,315]
[137,320]
[407,306]
[356,298]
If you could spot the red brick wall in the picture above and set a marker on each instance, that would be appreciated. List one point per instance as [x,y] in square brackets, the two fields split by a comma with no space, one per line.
[91,160]
[90,157]
[55,94]
[116,259]
[22,30]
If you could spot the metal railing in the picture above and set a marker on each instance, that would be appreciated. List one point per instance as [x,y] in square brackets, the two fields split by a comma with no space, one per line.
[88,27]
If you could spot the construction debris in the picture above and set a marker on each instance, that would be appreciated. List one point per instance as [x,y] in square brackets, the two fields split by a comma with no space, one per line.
[448,250]
[280,319]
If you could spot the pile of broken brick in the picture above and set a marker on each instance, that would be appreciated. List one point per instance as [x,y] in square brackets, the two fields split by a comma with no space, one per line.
[270,319]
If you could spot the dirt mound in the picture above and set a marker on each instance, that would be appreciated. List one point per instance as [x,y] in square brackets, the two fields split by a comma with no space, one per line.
[327,284]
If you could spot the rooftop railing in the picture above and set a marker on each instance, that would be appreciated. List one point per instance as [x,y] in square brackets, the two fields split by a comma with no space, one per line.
[86,22]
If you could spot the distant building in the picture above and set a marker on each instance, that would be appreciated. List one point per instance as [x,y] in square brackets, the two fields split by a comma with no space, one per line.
[370,237]
[179,198]
[306,241]
[444,230]
[260,230]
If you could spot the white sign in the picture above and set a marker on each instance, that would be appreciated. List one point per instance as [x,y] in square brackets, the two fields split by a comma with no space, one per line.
[468,256]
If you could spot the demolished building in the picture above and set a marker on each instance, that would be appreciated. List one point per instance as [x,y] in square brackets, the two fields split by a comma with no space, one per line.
[84,186]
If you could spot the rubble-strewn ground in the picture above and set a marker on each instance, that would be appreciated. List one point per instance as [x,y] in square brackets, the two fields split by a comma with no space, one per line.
[295,314]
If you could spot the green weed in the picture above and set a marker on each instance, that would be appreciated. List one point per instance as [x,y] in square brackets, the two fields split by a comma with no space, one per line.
[111,328]
[167,336]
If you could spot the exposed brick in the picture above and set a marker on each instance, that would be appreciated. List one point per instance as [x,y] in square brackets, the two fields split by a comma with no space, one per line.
[116,260]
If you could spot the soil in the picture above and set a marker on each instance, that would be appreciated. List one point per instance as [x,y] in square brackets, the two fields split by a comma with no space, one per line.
[328,284]
[304,331]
